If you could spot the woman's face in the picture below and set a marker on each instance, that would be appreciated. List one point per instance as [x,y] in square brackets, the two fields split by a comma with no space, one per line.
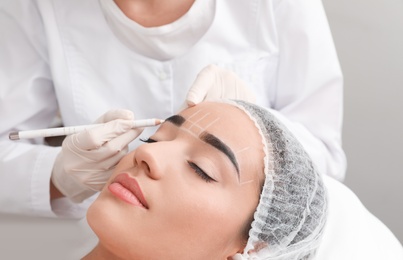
[189,192]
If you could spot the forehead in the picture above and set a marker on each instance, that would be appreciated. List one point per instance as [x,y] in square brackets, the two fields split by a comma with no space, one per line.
[213,116]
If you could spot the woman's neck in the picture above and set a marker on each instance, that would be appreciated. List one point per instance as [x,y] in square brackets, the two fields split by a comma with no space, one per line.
[153,13]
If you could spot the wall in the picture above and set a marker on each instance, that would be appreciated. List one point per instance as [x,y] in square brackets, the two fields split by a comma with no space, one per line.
[369,39]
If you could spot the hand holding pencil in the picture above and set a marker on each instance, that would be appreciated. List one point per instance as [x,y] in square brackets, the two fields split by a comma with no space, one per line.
[87,158]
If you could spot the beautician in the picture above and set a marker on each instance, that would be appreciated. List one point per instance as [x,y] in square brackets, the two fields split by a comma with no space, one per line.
[84,58]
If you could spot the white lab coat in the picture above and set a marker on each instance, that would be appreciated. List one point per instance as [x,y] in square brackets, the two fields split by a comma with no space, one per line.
[58,55]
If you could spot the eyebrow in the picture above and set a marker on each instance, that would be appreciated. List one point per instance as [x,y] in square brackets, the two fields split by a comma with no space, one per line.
[176,120]
[210,139]
[217,143]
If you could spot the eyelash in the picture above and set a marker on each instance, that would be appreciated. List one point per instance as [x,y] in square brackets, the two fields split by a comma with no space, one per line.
[148,140]
[192,165]
[200,172]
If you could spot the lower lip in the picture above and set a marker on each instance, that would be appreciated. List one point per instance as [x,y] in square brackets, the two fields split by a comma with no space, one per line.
[124,194]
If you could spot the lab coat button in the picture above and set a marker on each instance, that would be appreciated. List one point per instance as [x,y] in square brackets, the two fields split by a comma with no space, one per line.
[162,76]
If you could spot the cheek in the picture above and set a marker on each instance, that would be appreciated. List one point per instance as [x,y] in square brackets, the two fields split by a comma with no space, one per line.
[195,207]
[203,216]
[199,226]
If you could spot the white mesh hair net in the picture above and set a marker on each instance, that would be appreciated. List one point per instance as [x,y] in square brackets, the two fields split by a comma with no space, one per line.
[290,217]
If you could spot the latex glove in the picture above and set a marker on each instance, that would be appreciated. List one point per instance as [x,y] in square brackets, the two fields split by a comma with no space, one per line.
[214,82]
[87,159]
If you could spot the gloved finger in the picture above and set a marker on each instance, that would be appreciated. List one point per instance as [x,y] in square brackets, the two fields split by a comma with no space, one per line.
[233,88]
[115,114]
[122,141]
[112,150]
[114,146]
[247,95]
[95,137]
[202,84]
[93,161]
[96,179]
[85,164]
[229,86]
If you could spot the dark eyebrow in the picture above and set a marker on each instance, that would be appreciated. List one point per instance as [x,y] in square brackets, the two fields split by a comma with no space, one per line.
[178,120]
[217,143]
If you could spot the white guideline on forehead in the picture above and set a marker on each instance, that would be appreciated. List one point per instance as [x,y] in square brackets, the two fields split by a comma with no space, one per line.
[240,162]
[194,127]
[197,129]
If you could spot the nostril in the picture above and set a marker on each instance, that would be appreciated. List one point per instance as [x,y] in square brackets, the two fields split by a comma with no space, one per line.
[146,165]
[145,160]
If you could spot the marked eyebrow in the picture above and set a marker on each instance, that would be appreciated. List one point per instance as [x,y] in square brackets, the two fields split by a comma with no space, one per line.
[210,139]
[176,120]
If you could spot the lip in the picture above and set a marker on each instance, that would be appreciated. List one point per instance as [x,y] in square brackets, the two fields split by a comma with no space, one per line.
[127,189]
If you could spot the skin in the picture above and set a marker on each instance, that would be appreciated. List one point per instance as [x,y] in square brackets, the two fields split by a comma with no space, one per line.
[187,216]
[153,13]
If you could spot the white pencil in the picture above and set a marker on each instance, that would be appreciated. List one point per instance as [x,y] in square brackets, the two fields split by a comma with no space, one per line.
[59,131]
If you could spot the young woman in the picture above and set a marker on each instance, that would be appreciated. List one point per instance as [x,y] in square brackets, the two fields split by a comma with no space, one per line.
[217,181]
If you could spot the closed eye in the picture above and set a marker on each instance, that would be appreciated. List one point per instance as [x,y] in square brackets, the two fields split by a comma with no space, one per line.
[200,172]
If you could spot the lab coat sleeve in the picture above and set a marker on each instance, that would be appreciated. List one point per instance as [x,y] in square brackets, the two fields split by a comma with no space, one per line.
[309,91]
[27,101]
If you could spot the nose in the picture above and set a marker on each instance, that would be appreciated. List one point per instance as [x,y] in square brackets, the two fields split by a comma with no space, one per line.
[150,158]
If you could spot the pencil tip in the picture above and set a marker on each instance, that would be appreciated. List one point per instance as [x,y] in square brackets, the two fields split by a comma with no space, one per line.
[14,136]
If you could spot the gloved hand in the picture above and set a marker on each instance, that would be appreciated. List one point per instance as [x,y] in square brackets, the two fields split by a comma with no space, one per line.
[214,82]
[87,159]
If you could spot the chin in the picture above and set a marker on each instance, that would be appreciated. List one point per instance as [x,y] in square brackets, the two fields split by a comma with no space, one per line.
[113,226]
[98,218]
[103,218]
